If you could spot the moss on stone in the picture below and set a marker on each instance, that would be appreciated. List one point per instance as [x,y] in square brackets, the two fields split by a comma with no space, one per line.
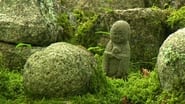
[59,70]
[171,62]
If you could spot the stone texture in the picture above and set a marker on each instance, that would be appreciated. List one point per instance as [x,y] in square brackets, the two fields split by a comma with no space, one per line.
[171,62]
[101,5]
[165,3]
[147,32]
[13,57]
[61,69]
[117,52]
[28,21]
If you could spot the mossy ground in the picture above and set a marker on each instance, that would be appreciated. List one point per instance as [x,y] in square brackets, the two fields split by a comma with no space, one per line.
[137,89]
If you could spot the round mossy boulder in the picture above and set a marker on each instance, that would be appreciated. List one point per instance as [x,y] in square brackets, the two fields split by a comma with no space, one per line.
[171,61]
[61,69]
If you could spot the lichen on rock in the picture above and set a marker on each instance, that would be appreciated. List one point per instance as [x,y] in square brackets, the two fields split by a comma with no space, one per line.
[171,61]
[35,24]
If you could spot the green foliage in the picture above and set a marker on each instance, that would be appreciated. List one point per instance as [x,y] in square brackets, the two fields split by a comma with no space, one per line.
[176,19]
[67,27]
[80,26]
[98,81]
[102,32]
[86,26]
[87,23]
[104,90]
[10,84]
[96,50]
[23,45]
[138,90]
[175,97]
[141,89]
[85,32]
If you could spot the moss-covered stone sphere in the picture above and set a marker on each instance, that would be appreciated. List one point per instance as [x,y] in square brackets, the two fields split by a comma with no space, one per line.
[61,69]
[171,61]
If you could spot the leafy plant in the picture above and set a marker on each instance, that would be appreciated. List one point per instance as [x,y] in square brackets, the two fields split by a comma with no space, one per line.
[176,19]
[10,84]
[98,80]
[67,27]
[102,32]
[140,89]
[96,50]
[23,45]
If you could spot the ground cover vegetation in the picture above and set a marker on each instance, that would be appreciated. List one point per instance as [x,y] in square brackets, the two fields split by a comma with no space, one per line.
[138,89]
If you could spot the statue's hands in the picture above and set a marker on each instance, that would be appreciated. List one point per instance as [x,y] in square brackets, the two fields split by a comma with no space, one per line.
[108,54]
[112,55]
[116,51]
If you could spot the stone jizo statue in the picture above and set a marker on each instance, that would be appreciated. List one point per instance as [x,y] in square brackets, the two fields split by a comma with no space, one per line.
[117,52]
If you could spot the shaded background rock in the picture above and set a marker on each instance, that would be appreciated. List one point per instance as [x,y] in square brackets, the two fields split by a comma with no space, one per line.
[171,62]
[15,58]
[148,31]
[165,3]
[61,69]
[35,24]
[99,5]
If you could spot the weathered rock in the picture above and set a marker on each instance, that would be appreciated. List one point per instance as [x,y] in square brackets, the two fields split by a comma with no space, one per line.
[171,62]
[147,31]
[112,4]
[178,3]
[165,3]
[61,69]
[117,52]
[99,5]
[28,21]
[13,57]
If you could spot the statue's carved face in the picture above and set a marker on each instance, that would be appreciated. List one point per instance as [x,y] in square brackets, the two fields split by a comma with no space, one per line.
[118,37]
[120,32]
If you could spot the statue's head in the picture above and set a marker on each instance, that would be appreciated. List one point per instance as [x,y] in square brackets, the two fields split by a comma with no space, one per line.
[119,32]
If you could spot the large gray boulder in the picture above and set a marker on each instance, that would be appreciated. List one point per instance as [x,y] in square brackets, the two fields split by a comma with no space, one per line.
[28,21]
[61,69]
[171,61]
